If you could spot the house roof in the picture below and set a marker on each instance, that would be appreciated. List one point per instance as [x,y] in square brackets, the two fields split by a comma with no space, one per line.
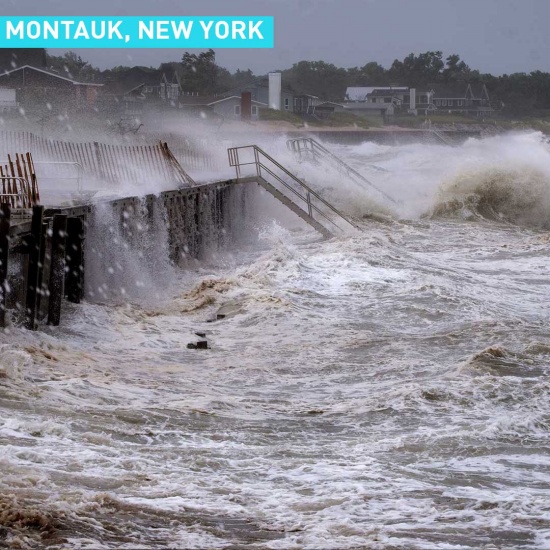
[460,90]
[363,106]
[208,101]
[479,90]
[49,73]
[389,91]
[197,100]
[456,90]
[260,82]
[236,97]
[122,82]
[360,93]
[328,104]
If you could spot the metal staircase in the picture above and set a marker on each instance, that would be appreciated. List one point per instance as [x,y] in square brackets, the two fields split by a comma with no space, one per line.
[310,149]
[287,188]
[440,136]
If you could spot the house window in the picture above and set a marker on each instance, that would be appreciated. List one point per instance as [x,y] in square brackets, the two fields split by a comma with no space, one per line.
[286,103]
[444,102]
[460,102]
[237,110]
[254,110]
[438,102]
[450,103]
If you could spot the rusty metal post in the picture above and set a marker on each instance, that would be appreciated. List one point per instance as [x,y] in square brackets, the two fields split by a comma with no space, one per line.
[75,267]
[5,213]
[57,268]
[33,275]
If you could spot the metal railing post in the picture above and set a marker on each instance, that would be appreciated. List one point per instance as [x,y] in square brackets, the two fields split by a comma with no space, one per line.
[257,161]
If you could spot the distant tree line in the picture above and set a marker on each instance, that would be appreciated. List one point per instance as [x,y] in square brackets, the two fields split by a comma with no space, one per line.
[514,94]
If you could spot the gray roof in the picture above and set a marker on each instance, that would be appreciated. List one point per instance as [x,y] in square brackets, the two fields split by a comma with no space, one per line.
[360,93]
[363,106]
[49,73]
[208,101]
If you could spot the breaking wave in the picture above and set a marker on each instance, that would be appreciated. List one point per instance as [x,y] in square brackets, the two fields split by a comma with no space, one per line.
[518,196]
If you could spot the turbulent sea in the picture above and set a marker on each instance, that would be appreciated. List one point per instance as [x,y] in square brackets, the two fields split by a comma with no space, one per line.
[388,388]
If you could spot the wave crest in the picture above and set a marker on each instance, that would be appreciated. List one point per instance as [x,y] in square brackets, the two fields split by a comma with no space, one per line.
[517,196]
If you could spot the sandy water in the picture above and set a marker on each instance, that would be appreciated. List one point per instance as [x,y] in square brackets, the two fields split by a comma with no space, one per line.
[387,389]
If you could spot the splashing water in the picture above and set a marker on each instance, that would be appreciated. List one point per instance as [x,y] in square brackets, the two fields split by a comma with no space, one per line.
[386,390]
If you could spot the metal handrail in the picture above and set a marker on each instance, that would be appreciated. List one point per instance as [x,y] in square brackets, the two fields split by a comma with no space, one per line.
[306,199]
[440,136]
[317,149]
[234,160]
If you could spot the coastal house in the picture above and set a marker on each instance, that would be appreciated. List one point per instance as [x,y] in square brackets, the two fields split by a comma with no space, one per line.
[325,109]
[379,102]
[36,87]
[282,95]
[460,97]
[307,105]
[381,111]
[230,107]
[131,90]
[381,94]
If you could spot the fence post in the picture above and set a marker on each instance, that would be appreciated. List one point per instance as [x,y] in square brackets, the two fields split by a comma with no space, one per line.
[5,213]
[99,161]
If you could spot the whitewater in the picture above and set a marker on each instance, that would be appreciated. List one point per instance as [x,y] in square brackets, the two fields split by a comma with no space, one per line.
[387,388]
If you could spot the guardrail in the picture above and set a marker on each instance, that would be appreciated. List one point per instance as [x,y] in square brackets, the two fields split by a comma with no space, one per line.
[313,203]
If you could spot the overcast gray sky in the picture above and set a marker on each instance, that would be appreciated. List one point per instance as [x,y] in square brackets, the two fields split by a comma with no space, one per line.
[495,36]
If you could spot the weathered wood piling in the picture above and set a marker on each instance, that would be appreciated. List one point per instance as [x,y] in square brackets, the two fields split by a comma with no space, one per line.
[57,268]
[47,258]
[5,215]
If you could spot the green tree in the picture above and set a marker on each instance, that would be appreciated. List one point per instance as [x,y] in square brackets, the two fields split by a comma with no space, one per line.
[199,73]
[371,74]
[317,78]
[241,78]
[417,70]
[73,66]
[456,70]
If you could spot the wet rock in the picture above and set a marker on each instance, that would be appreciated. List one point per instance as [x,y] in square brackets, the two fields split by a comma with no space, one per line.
[201,344]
